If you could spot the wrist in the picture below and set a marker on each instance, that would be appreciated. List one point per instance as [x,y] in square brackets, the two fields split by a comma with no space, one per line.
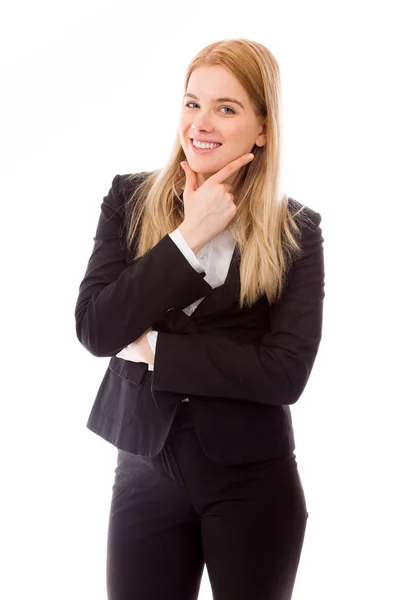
[191,238]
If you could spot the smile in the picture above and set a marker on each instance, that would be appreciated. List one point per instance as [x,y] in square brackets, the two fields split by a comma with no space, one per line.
[202,147]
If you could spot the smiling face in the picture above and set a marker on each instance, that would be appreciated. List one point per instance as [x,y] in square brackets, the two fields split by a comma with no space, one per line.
[216,108]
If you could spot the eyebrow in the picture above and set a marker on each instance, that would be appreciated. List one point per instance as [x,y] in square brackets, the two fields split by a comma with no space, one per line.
[219,99]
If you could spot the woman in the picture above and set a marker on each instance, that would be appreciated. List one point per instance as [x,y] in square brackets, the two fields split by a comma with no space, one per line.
[205,288]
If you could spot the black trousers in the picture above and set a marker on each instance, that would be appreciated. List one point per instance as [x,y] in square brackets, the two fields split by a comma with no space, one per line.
[172,514]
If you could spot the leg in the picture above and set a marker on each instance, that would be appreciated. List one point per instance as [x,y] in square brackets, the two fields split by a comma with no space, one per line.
[252,539]
[154,547]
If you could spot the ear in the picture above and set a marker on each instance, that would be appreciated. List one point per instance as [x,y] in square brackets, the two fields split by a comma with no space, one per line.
[261,139]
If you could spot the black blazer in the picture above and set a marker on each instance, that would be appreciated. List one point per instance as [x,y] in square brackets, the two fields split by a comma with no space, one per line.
[240,368]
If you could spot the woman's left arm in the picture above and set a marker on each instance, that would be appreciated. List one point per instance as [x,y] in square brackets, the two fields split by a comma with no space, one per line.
[276,370]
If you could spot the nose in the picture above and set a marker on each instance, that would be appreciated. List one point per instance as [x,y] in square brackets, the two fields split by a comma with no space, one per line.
[202,122]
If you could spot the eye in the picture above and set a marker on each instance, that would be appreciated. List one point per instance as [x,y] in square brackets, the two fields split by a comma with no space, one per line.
[233,112]
[228,107]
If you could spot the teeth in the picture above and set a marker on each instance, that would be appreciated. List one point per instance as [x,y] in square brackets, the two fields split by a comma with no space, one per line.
[204,145]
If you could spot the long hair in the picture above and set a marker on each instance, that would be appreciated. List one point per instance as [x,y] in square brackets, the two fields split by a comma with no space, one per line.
[264,226]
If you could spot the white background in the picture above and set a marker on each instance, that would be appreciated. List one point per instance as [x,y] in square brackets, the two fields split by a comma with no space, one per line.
[92,89]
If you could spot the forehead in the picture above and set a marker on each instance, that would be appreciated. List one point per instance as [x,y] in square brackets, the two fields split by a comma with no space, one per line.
[214,82]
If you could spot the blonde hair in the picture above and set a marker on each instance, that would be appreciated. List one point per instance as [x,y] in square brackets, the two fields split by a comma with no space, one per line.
[263,227]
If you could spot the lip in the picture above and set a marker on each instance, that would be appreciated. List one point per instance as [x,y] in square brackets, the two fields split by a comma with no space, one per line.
[205,141]
[203,150]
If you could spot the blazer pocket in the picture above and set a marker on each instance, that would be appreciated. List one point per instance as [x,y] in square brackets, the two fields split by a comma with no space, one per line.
[120,392]
[134,372]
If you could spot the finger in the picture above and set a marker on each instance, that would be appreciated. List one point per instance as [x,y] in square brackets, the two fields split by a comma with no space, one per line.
[231,168]
[191,178]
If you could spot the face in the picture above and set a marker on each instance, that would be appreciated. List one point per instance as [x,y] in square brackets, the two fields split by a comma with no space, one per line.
[207,115]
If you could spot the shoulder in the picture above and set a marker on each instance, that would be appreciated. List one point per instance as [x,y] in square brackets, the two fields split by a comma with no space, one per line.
[306,217]
[129,181]
[124,185]
[122,188]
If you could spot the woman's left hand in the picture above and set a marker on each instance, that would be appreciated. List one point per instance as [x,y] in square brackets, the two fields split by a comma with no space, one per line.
[139,350]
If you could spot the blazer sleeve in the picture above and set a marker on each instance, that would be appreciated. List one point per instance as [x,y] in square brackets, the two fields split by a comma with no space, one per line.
[276,370]
[117,301]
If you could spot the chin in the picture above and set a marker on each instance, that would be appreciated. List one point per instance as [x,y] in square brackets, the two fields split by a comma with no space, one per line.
[200,171]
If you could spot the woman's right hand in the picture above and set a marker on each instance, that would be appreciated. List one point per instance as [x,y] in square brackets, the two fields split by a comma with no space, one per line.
[208,207]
